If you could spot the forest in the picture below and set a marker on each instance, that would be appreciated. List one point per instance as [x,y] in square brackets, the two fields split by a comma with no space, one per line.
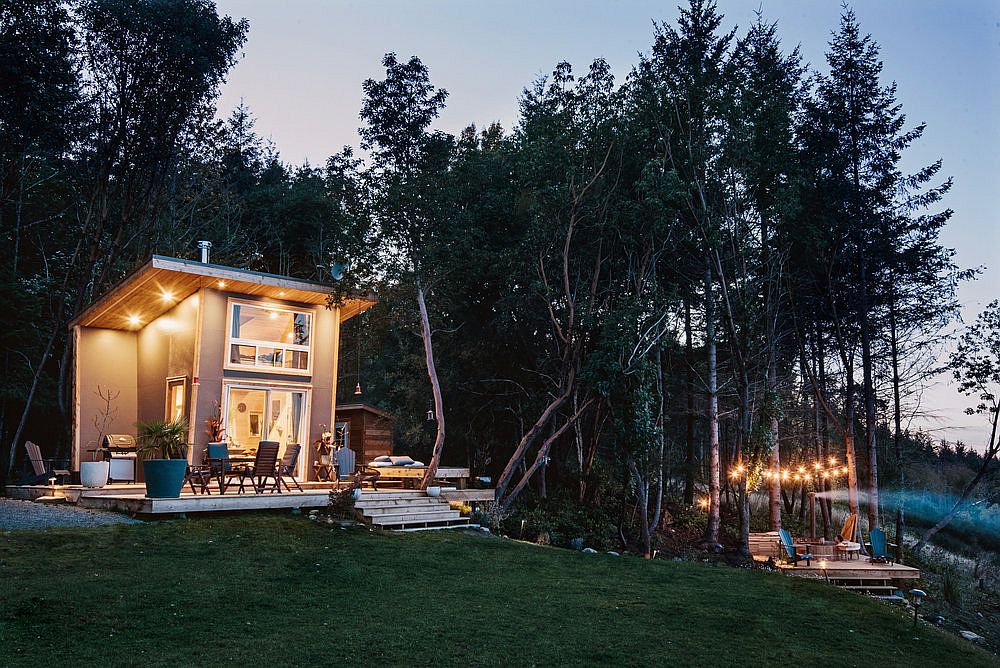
[670,305]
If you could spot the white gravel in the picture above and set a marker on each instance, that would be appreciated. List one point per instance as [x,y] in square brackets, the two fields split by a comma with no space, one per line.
[16,514]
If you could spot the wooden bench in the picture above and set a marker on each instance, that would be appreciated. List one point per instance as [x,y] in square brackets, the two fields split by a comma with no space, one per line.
[409,475]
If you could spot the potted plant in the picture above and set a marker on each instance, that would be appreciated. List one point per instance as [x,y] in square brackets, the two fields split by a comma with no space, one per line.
[164,476]
[95,474]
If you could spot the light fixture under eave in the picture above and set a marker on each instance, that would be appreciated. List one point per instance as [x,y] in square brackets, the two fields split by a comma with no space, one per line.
[222,284]
[134,320]
[167,296]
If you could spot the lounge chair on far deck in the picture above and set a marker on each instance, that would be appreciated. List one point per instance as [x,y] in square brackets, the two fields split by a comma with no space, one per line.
[791,554]
[878,547]
[846,546]
[44,468]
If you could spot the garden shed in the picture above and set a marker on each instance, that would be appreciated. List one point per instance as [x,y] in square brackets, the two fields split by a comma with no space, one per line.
[369,430]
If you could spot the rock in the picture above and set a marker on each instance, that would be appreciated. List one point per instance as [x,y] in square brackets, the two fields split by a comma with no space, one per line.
[576,543]
[970,635]
[613,553]
[484,529]
[589,550]
[938,620]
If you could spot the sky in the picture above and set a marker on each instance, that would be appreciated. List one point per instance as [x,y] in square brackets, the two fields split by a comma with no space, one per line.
[301,70]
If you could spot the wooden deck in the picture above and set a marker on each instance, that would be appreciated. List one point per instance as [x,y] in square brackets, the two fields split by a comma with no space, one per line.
[854,569]
[132,499]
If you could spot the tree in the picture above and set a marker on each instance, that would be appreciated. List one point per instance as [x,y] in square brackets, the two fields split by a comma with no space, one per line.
[398,112]
[976,366]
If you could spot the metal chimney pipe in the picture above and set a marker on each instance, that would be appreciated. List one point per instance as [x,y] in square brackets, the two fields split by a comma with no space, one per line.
[205,247]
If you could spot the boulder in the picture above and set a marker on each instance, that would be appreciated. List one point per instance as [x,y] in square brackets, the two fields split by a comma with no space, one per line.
[589,550]
[613,553]
[971,635]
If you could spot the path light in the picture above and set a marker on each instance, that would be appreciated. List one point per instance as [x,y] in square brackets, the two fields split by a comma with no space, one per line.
[52,482]
[918,596]
[822,564]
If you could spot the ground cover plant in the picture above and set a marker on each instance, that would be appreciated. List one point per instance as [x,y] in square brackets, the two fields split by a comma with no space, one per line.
[282,590]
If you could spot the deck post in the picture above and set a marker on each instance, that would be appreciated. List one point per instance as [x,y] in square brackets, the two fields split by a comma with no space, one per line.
[812,515]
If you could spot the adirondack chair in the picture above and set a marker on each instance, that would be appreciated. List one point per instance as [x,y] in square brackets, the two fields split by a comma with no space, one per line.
[791,554]
[347,470]
[44,468]
[265,465]
[286,467]
[878,547]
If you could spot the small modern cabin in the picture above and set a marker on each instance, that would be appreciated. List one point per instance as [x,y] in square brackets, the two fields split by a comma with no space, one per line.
[182,338]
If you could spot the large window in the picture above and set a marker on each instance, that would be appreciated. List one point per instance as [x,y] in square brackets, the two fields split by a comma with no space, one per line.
[255,414]
[269,337]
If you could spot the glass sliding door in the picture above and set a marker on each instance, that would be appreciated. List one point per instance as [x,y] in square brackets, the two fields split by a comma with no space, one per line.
[255,414]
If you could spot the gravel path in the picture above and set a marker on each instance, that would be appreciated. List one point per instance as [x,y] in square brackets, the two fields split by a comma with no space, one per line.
[30,515]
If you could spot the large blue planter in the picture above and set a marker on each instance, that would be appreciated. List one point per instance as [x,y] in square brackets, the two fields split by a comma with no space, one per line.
[164,477]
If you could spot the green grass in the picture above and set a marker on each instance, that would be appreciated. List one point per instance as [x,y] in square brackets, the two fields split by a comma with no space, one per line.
[282,590]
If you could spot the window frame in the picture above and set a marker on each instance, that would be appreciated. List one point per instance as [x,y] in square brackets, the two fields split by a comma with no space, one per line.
[276,345]
[305,428]
[174,381]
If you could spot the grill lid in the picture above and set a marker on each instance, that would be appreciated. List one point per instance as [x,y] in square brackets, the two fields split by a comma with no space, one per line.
[119,442]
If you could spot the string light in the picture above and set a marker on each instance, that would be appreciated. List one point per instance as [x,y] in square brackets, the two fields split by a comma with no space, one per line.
[814,471]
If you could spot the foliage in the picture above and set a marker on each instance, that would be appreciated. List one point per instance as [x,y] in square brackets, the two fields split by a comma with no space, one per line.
[341,504]
[168,439]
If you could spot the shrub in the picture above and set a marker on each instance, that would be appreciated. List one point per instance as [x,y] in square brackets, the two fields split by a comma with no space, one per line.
[952,588]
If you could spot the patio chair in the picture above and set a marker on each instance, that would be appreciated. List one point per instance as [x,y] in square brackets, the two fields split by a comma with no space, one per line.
[286,467]
[265,465]
[791,554]
[878,547]
[217,458]
[44,468]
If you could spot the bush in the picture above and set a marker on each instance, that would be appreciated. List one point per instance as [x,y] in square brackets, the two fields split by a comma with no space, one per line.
[557,521]
[952,588]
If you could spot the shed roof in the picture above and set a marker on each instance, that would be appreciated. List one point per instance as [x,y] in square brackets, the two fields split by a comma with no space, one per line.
[365,407]
[162,282]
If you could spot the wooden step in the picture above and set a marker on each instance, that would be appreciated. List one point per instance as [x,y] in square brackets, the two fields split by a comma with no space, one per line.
[399,518]
[403,510]
[394,495]
[398,503]
[427,525]
[871,588]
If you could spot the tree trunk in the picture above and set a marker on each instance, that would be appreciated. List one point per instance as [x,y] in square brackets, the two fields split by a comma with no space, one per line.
[689,455]
[714,515]
[897,434]
[425,334]
[871,429]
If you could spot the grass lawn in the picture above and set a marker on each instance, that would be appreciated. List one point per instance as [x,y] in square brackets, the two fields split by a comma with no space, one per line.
[283,590]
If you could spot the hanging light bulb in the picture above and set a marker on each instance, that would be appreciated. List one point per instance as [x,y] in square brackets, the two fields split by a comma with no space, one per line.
[357,388]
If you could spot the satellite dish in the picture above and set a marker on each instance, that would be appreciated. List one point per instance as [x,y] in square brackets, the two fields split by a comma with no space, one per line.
[337,269]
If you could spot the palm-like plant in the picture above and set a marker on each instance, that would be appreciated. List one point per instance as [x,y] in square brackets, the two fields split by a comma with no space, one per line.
[161,437]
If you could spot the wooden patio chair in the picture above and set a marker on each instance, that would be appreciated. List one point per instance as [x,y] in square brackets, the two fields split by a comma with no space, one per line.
[45,468]
[265,465]
[791,549]
[878,547]
[286,467]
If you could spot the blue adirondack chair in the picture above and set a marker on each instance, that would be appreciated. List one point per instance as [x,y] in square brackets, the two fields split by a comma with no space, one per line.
[791,556]
[879,547]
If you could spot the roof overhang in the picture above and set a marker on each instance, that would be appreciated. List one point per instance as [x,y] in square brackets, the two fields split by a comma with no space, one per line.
[163,282]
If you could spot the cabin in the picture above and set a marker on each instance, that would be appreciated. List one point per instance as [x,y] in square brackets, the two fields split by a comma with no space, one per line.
[187,339]
[366,429]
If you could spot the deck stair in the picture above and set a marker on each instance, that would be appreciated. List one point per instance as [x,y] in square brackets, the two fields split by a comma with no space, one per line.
[408,510]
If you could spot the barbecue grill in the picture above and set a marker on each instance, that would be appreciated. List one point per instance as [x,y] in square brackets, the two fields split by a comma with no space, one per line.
[120,451]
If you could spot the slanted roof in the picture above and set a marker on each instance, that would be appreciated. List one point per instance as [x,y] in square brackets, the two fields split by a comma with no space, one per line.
[157,286]
[365,407]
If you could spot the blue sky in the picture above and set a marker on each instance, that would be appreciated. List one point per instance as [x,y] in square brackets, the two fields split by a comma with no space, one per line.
[304,62]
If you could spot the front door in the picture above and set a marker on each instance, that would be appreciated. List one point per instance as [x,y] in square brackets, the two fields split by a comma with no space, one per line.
[255,414]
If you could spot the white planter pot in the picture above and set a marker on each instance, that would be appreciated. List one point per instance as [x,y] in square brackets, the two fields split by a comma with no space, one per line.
[94,474]
[433,491]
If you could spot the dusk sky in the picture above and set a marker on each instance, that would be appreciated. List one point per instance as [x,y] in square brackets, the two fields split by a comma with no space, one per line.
[304,62]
